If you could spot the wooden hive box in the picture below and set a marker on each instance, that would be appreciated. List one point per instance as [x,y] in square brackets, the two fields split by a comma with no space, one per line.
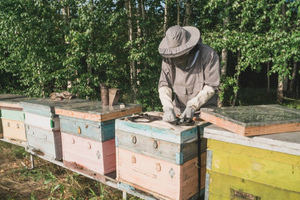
[43,126]
[88,132]
[98,131]
[84,153]
[254,120]
[260,167]
[160,158]
[12,119]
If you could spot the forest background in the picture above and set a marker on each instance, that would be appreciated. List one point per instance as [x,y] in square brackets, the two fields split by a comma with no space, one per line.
[56,45]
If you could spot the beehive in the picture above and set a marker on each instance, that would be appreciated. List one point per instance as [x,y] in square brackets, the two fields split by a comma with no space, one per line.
[260,167]
[88,132]
[159,158]
[12,119]
[43,126]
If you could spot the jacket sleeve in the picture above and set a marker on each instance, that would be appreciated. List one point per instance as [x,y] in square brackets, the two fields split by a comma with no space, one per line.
[165,79]
[212,70]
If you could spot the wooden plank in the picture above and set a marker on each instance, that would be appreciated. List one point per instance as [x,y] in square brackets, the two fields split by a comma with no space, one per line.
[46,106]
[11,101]
[262,170]
[44,142]
[14,130]
[17,142]
[12,115]
[1,129]
[89,154]
[99,131]
[47,123]
[94,111]
[254,120]
[254,152]
[160,149]
[236,128]
[161,130]
[157,177]
[225,187]
[283,142]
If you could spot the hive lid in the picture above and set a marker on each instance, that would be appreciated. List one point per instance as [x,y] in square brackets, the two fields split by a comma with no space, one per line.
[11,101]
[254,120]
[95,111]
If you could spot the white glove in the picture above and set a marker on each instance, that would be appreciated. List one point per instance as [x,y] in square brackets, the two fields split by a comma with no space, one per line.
[202,97]
[187,114]
[169,115]
[165,96]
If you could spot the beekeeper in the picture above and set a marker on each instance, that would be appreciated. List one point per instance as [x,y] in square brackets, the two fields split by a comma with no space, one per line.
[190,74]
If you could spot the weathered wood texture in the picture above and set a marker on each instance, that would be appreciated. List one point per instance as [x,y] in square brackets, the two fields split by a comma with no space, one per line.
[46,106]
[12,115]
[99,131]
[94,111]
[11,101]
[99,157]
[160,130]
[157,177]
[257,166]
[282,142]
[44,142]
[43,122]
[13,130]
[160,149]
[225,187]
[1,130]
[254,120]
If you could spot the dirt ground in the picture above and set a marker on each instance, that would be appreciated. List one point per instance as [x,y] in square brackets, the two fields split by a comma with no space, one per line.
[46,180]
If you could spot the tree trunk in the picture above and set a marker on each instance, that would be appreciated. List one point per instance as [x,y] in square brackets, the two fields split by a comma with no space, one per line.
[268,77]
[237,80]
[178,12]
[132,63]
[224,57]
[294,74]
[166,18]
[188,12]
[280,90]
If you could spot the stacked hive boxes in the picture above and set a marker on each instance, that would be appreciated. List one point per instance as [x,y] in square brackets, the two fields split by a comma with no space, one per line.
[88,136]
[43,127]
[12,118]
[159,158]
[263,166]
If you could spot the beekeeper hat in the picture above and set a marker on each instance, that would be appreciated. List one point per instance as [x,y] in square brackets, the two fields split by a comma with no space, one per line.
[178,41]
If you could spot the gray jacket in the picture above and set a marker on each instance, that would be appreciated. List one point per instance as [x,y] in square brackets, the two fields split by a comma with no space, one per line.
[187,84]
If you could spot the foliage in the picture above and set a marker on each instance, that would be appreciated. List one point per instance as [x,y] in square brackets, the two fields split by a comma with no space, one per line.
[75,45]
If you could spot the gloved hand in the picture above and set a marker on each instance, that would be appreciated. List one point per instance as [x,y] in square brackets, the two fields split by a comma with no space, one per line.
[169,115]
[187,114]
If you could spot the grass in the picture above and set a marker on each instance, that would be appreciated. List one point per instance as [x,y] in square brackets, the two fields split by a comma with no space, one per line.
[46,180]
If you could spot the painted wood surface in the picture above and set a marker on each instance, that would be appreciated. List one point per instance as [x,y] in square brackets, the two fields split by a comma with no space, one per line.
[282,142]
[47,123]
[158,177]
[89,154]
[99,131]
[13,129]
[12,115]
[94,111]
[160,149]
[46,106]
[11,101]
[44,142]
[254,120]
[225,187]
[161,130]
[1,130]
[262,166]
